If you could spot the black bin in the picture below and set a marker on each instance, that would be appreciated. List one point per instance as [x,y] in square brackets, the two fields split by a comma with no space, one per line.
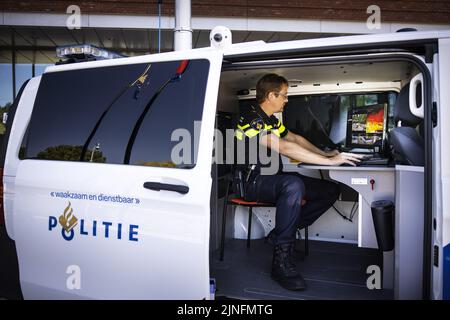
[383,220]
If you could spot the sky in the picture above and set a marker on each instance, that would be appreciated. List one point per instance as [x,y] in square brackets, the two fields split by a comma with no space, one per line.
[23,73]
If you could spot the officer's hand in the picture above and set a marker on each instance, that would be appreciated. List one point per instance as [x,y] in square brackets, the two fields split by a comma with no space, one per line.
[331,153]
[344,157]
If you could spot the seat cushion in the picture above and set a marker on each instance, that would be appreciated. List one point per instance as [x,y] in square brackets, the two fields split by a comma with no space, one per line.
[242,202]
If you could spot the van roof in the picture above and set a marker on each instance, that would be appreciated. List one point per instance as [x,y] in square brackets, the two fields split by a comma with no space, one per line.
[263,49]
[332,42]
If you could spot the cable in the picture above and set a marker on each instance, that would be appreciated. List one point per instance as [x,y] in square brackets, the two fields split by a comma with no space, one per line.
[322,129]
[139,81]
[338,212]
[352,213]
[178,74]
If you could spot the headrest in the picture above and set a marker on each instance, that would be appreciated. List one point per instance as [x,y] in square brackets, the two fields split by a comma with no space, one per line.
[402,112]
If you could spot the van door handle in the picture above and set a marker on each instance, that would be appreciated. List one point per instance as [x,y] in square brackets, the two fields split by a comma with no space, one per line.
[166,186]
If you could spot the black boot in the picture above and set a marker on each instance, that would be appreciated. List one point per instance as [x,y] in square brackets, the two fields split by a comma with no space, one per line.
[270,238]
[284,270]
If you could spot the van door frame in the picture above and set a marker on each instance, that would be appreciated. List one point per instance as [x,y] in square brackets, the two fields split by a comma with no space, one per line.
[233,64]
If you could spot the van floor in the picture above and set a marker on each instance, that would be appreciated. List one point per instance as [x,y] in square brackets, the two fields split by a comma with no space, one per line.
[331,271]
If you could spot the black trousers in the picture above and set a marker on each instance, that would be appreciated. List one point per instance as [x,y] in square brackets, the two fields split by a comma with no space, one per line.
[286,190]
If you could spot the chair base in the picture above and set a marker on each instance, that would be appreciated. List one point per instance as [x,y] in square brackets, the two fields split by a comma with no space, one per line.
[250,205]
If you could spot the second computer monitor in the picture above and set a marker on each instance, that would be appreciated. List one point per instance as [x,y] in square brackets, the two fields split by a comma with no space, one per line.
[366,127]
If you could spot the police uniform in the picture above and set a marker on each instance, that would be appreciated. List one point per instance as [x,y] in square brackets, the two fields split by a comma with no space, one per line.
[254,122]
[286,190]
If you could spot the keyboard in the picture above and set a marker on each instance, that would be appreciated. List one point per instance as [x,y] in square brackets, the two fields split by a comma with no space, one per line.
[369,161]
[374,162]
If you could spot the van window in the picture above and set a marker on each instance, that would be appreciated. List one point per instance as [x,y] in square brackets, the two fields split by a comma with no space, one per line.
[363,100]
[323,118]
[91,114]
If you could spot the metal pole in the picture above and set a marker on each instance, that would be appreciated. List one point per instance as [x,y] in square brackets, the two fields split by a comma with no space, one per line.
[159,25]
[13,43]
[33,64]
[183,31]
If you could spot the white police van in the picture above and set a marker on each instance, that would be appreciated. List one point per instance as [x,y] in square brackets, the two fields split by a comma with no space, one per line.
[98,208]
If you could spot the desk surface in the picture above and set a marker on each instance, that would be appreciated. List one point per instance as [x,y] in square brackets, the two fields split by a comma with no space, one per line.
[347,168]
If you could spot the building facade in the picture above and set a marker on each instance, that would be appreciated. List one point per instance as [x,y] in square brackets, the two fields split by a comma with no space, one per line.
[31,30]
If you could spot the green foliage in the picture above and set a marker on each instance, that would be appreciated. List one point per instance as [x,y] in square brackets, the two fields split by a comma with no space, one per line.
[69,153]
[162,164]
[3,110]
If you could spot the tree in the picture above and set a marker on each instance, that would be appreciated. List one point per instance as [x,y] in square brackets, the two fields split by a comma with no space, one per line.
[70,153]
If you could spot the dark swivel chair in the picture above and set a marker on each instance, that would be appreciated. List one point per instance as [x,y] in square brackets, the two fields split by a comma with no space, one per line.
[240,201]
[407,138]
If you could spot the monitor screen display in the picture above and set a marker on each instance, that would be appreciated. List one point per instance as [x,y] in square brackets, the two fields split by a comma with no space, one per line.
[366,126]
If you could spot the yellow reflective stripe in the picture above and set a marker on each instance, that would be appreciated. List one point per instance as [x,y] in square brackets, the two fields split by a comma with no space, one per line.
[281,129]
[244,126]
[238,135]
[276,132]
[251,133]
[266,127]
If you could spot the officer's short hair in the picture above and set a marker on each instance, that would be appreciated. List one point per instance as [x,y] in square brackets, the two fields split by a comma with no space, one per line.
[270,82]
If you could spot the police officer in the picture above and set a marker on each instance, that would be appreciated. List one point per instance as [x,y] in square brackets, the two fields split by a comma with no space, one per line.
[259,129]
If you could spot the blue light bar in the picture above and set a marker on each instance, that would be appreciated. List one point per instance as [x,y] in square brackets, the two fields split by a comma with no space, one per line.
[86,50]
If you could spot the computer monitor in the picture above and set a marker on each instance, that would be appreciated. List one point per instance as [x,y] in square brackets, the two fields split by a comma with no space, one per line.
[321,119]
[366,127]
